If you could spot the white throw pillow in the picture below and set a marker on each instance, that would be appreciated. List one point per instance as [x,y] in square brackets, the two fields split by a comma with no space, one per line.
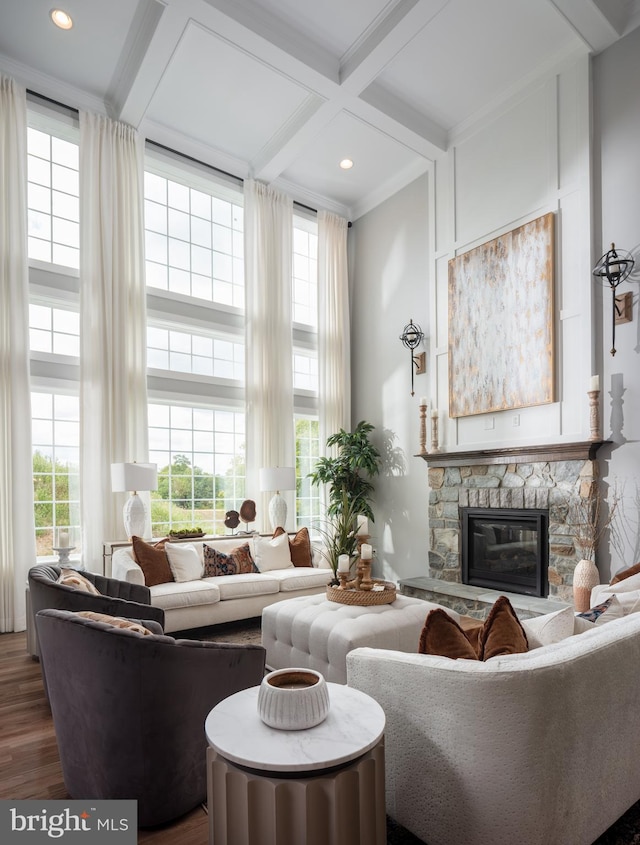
[629,600]
[550,628]
[273,553]
[184,561]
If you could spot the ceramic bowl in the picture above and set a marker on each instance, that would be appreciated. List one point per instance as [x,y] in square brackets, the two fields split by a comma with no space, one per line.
[293,699]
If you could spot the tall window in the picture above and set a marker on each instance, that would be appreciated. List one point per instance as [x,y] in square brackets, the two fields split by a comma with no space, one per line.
[54,330]
[195,344]
[305,365]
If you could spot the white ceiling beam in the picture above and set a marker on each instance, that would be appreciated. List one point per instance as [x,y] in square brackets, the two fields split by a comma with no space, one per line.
[143,27]
[384,40]
[400,121]
[588,21]
[160,48]
[294,137]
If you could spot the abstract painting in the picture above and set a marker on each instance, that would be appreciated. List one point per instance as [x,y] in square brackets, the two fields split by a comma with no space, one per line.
[501,339]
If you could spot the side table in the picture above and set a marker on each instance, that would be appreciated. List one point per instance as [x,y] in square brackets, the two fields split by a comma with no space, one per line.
[321,786]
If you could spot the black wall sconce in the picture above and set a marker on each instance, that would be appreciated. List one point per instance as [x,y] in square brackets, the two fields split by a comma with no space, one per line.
[412,335]
[613,268]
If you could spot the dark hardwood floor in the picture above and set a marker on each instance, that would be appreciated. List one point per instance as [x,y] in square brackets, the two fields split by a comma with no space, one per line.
[29,762]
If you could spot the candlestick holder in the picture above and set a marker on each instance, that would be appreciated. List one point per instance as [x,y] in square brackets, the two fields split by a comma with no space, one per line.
[423,430]
[594,414]
[434,434]
[63,554]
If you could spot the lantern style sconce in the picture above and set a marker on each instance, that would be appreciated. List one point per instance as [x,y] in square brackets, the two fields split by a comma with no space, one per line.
[412,335]
[613,268]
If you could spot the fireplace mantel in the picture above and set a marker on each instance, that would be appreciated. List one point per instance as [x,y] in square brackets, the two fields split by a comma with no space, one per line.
[583,450]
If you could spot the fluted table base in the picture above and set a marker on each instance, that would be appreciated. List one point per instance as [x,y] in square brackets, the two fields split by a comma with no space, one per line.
[341,806]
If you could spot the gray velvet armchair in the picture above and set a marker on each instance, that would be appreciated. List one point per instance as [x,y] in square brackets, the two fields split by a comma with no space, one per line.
[129,709]
[117,598]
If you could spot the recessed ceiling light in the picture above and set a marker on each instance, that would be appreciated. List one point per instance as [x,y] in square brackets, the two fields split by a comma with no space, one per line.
[346,164]
[61,19]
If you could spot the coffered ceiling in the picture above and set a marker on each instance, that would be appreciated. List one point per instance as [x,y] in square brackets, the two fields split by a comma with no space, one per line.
[284,89]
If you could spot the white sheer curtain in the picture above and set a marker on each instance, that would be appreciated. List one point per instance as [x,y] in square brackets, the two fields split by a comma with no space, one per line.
[17,540]
[268,226]
[113,391]
[334,360]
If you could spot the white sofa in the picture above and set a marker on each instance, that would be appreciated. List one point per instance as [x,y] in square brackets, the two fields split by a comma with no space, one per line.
[228,598]
[534,748]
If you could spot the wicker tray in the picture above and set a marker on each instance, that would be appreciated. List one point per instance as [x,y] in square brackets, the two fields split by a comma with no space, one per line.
[364,598]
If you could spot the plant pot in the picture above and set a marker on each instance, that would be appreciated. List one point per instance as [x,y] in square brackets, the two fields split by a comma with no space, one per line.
[293,699]
[585,578]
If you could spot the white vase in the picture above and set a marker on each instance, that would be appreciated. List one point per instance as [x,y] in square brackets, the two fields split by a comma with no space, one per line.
[293,699]
[585,578]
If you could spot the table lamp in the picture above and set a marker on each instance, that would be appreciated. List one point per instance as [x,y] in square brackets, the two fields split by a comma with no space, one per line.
[131,477]
[277,479]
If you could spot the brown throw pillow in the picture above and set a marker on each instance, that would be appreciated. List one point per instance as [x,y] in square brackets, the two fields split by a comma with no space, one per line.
[502,632]
[72,578]
[115,621]
[152,560]
[299,546]
[237,562]
[443,636]
[626,573]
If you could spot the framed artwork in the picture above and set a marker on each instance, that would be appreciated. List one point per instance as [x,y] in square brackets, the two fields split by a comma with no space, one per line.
[501,339]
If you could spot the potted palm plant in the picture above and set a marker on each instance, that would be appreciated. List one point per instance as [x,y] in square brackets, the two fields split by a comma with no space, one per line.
[347,475]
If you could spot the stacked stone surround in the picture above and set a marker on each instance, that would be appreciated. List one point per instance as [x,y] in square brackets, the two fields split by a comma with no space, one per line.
[546,485]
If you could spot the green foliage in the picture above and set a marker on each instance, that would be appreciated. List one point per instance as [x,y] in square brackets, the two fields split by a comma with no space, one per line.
[349,471]
[339,533]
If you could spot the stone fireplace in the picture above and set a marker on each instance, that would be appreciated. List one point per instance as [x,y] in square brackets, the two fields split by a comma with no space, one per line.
[547,479]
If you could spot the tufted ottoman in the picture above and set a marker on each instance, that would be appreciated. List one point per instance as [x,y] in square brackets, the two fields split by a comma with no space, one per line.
[314,633]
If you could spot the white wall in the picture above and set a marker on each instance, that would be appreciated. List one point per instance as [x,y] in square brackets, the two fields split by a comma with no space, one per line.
[616,74]
[389,252]
[527,158]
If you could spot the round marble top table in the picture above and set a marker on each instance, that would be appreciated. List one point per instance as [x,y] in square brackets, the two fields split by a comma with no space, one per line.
[354,725]
[320,785]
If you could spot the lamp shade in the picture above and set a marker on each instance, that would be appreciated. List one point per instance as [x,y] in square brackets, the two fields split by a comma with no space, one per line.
[131,476]
[277,478]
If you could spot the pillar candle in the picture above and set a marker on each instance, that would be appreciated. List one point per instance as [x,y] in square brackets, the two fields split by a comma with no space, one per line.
[434,414]
[423,401]
[63,540]
[343,563]
[363,526]
[594,383]
[366,551]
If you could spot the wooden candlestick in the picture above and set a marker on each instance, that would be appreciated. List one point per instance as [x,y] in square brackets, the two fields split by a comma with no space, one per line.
[434,433]
[594,414]
[423,429]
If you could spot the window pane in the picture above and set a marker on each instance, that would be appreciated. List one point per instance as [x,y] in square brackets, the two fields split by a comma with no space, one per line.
[197,483]
[305,281]
[187,215]
[53,215]
[55,435]
[54,330]
[196,353]
[307,454]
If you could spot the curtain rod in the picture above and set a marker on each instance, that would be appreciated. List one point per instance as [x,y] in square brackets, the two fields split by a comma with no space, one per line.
[226,173]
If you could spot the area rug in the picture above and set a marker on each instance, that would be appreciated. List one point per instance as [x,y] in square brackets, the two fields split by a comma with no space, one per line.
[626,831]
